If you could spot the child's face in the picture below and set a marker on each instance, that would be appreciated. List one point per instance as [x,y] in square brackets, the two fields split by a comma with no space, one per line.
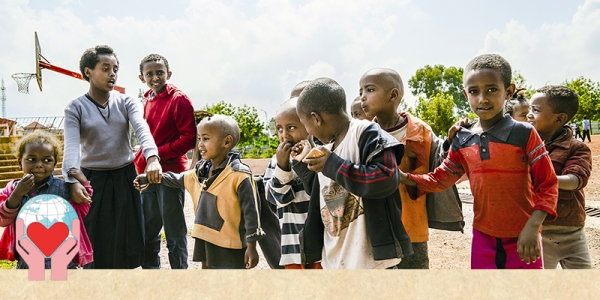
[485,91]
[520,112]
[211,142]
[155,75]
[545,121]
[357,112]
[38,160]
[104,75]
[376,99]
[289,128]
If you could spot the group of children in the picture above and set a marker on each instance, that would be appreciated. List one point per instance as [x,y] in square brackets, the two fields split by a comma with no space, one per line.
[351,191]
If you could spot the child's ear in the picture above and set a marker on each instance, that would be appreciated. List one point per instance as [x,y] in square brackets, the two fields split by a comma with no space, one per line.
[394,93]
[141,77]
[169,75]
[227,141]
[510,90]
[317,117]
[87,71]
[465,94]
[561,118]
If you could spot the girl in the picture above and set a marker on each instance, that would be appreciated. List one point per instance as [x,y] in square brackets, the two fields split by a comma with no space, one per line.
[97,141]
[517,106]
[37,155]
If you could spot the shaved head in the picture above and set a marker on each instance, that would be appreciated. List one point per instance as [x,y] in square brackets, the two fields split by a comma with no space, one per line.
[226,125]
[388,78]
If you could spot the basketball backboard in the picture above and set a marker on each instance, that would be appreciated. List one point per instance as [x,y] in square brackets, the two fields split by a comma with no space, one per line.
[38,69]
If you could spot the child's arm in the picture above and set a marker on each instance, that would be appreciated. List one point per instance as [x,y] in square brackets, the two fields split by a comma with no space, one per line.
[7,215]
[577,169]
[528,244]
[182,112]
[280,185]
[249,206]
[77,174]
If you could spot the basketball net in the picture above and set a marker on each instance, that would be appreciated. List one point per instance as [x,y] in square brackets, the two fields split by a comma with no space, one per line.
[22,80]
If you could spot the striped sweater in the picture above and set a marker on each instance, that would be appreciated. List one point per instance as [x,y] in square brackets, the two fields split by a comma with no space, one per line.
[284,189]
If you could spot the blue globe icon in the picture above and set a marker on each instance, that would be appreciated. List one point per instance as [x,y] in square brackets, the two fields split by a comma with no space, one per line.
[48,210]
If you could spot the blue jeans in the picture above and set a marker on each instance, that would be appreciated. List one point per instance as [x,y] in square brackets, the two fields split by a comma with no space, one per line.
[163,206]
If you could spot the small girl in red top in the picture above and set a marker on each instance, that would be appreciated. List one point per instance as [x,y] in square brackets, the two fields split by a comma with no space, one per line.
[37,154]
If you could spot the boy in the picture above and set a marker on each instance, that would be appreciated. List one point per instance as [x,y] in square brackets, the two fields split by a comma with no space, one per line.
[354,213]
[381,91]
[356,110]
[170,116]
[563,239]
[285,189]
[298,88]
[511,176]
[227,225]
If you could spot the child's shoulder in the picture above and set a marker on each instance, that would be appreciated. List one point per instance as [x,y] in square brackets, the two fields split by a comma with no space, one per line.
[238,166]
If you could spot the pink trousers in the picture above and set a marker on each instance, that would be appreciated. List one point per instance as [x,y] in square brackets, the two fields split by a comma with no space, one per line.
[488,252]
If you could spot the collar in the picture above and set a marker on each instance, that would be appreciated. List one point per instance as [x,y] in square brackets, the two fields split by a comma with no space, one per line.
[416,129]
[564,139]
[500,130]
[150,96]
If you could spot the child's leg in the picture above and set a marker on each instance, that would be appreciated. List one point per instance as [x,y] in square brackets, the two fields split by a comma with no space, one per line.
[567,246]
[483,251]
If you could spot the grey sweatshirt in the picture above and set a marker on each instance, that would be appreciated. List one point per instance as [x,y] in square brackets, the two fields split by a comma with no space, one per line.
[98,140]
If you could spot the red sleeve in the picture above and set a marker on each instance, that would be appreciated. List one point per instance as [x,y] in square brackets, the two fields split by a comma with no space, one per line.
[183,113]
[443,177]
[579,163]
[545,182]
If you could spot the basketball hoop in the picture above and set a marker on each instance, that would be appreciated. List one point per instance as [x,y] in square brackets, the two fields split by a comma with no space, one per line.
[22,80]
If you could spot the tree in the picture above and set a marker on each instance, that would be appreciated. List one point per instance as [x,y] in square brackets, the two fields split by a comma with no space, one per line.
[589,97]
[429,81]
[438,112]
[251,128]
[519,80]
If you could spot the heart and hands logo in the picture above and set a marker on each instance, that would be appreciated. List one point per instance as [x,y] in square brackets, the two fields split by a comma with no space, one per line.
[47,231]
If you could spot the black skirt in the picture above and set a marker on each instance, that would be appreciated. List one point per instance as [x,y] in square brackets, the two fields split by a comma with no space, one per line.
[115,223]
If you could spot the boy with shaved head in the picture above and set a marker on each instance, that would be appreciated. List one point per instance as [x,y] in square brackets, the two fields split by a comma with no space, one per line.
[381,91]
[227,224]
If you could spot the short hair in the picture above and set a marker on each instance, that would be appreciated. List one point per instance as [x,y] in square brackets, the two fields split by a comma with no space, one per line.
[491,61]
[298,88]
[38,137]
[518,98]
[89,58]
[289,104]
[357,99]
[392,80]
[561,99]
[322,95]
[226,125]
[152,58]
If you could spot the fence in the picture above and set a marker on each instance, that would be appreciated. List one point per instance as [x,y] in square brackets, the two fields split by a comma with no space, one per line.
[20,126]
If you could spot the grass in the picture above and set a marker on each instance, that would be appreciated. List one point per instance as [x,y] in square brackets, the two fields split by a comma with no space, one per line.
[7,264]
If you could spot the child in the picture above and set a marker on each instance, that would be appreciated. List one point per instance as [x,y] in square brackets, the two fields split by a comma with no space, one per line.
[356,110]
[518,106]
[170,117]
[586,129]
[381,91]
[563,239]
[512,180]
[37,154]
[227,223]
[298,88]
[97,141]
[284,188]
[354,213]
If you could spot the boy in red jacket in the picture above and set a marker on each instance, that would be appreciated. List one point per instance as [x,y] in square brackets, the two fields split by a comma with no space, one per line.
[170,116]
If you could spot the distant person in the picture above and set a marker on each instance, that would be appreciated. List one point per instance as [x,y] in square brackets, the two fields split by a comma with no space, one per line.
[354,212]
[576,129]
[563,239]
[284,187]
[511,175]
[586,129]
[97,141]
[356,110]
[170,117]
[37,155]
[225,197]
[518,106]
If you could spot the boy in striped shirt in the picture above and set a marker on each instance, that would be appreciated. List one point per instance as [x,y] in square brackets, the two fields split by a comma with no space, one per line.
[284,188]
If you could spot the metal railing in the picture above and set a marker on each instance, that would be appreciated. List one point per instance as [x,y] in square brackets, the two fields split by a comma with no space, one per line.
[23,125]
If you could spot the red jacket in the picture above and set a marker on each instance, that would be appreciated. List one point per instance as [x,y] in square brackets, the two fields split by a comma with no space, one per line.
[170,116]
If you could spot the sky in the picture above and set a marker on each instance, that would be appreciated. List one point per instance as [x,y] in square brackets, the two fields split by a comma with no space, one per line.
[254,52]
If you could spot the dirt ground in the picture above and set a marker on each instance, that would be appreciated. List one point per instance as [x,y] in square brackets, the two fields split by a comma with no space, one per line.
[451,250]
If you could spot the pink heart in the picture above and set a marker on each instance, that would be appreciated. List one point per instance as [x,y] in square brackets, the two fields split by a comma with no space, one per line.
[47,239]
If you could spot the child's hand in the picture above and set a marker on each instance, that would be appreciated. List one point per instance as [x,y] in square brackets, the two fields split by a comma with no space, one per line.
[77,174]
[300,150]
[282,154]
[136,183]
[455,128]
[528,245]
[24,185]
[251,256]
[316,164]
[153,170]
